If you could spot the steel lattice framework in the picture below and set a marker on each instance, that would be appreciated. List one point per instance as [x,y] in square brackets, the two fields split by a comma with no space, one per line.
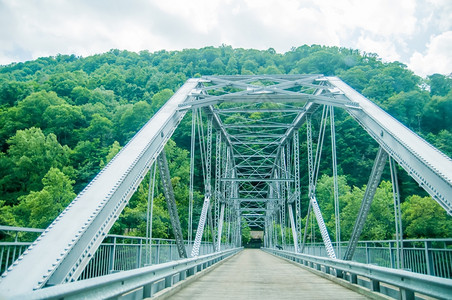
[254,121]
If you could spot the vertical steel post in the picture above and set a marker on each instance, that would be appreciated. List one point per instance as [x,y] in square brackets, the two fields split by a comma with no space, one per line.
[429,258]
[296,152]
[306,228]
[149,214]
[192,172]
[294,230]
[220,227]
[212,230]
[206,204]
[217,185]
[112,256]
[313,175]
[310,156]
[335,183]
[397,214]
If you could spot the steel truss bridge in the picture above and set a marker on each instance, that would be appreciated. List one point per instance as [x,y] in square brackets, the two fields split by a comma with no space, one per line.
[247,129]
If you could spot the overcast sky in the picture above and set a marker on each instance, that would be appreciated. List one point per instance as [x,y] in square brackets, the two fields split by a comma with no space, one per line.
[415,32]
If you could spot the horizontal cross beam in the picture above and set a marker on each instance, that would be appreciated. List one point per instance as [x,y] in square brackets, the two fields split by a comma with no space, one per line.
[258,179]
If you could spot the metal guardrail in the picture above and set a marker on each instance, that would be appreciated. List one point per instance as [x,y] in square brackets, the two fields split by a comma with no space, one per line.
[398,284]
[116,253]
[134,284]
[119,254]
[425,256]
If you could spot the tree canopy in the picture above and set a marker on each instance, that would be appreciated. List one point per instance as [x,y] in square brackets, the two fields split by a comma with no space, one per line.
[63,118]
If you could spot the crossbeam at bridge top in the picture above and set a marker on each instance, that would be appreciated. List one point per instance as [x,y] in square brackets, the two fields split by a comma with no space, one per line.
[267,111]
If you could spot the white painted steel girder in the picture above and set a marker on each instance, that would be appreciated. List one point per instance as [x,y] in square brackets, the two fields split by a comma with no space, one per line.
[426,164]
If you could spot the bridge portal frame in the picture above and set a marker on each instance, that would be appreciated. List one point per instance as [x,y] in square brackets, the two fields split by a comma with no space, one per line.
[61,252]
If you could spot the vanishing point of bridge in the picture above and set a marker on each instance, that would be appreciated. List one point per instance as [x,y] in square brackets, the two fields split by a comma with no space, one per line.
[247,129]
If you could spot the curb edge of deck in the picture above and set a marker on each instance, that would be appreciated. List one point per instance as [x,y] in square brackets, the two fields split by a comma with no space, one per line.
[168,292]
[356,288]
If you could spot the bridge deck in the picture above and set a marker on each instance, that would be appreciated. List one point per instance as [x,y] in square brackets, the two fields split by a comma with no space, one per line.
[254,274]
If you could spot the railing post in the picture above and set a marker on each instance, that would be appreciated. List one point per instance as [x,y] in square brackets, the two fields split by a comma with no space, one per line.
[150,252]
[169,281]
[139,254]
[375,285]
[367,254]
[429,258]
[406,294]
[112,256]
[391,256]
[158,252]
[147,290]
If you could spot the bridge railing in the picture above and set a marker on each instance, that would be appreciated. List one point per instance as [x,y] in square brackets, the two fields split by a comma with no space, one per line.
[398,284]
[133,284]
[425,256]
[116,253]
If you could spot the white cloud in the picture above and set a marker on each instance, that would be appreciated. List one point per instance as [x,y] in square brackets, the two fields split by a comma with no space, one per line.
[384,17]
[384,48]
[201,14]
[443,13]
[392,29]
[437,58]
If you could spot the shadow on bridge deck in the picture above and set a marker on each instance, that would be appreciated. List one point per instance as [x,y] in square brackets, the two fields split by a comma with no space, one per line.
[254,274]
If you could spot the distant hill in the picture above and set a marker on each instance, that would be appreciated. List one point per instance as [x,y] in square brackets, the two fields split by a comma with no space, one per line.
[62,118]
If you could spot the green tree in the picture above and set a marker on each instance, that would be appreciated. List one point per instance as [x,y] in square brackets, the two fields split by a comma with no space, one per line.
[442,141]
[114,149]
[246,233]
[424,218]
[11,92]
[160,98]
[440,85]
[63,120]
[408,107]
[380,220]
[32,154]
[132,118]
[100,128]
[80,95]
[86,159]
[31,109]
[380,87]
[39,209]
[133,218]
[437,114]
[325,198]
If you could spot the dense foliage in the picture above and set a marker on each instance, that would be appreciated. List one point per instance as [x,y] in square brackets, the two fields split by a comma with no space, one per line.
[63,118]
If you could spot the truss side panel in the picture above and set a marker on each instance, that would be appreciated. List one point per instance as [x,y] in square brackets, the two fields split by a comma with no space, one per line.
[426,164]
[66,245]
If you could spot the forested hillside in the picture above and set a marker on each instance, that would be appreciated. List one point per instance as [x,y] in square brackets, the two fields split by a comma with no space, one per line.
[63,118]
